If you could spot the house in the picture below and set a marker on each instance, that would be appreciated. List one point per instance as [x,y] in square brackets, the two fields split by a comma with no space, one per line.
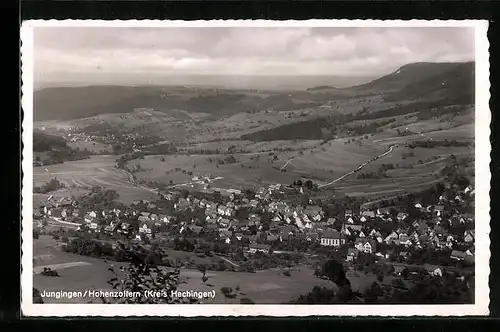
[350,220]
[259,247]
[404,240]
[332,238]
[144,217]
[468,236]
[93,227]
[433,270]
[223,222]
[458,255]
[124,228]
[308,225]
[391,238]
[439,209]
[110,228]
[311,237]
[348,213]
[182,205]
[362,219]
[364,245]
[352,254]
[361,234]
[345,230]
[145,229]
[374,233]
[356,228]
[401,216]
[194,229]
[383,211]
[368,214]
[398,270]
[314,212]
[330,221]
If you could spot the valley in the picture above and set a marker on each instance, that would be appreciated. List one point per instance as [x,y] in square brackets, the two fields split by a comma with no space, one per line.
[161,151]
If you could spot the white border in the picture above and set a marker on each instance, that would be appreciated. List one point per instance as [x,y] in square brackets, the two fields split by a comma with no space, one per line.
[482,181]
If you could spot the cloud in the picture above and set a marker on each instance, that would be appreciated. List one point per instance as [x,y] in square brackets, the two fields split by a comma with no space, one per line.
[70,52]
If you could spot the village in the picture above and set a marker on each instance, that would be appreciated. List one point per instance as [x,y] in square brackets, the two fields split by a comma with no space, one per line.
[435,235]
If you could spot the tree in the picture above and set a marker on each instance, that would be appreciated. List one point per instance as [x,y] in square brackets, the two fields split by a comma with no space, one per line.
[334,271]
[139,276]
[37,296]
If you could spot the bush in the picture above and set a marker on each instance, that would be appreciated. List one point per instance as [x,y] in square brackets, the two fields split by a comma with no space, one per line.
[36,234]
[287,273]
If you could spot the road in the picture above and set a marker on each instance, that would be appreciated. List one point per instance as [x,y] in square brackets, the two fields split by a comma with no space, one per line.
[289,161]
[391,148]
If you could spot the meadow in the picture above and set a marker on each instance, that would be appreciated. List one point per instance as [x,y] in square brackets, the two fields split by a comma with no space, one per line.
[78,176]
[84,273]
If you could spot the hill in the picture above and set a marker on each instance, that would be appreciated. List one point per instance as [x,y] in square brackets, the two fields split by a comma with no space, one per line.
[455,85]
[407,75]
[66,103]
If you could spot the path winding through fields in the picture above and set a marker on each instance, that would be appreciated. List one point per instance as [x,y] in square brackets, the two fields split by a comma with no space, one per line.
[391,148]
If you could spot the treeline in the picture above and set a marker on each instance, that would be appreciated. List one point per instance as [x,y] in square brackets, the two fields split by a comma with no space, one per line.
[56,150]
[310,129]
[368,128]
[164,148]
[421,289]
[324,128]
[46,142]
[50,186]
[434,143]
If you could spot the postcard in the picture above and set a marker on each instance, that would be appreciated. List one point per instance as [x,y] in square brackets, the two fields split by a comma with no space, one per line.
[255,168]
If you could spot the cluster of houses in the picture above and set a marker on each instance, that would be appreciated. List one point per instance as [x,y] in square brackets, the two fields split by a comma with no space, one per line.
[286,222]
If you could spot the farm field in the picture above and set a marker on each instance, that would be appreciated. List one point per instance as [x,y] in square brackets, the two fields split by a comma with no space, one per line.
[320,163]
[234,176]
[96,171]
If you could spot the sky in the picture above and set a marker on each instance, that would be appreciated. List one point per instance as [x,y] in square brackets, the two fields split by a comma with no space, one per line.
[99,55]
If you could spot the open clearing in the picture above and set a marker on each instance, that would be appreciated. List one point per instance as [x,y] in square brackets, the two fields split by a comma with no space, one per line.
[83,174]
[81,273]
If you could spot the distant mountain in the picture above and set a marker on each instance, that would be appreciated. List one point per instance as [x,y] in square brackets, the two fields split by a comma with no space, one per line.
[455,84]
[412,79]
[67,103]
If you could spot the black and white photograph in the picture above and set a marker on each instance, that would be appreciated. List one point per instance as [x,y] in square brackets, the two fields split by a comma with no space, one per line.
[209,168]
